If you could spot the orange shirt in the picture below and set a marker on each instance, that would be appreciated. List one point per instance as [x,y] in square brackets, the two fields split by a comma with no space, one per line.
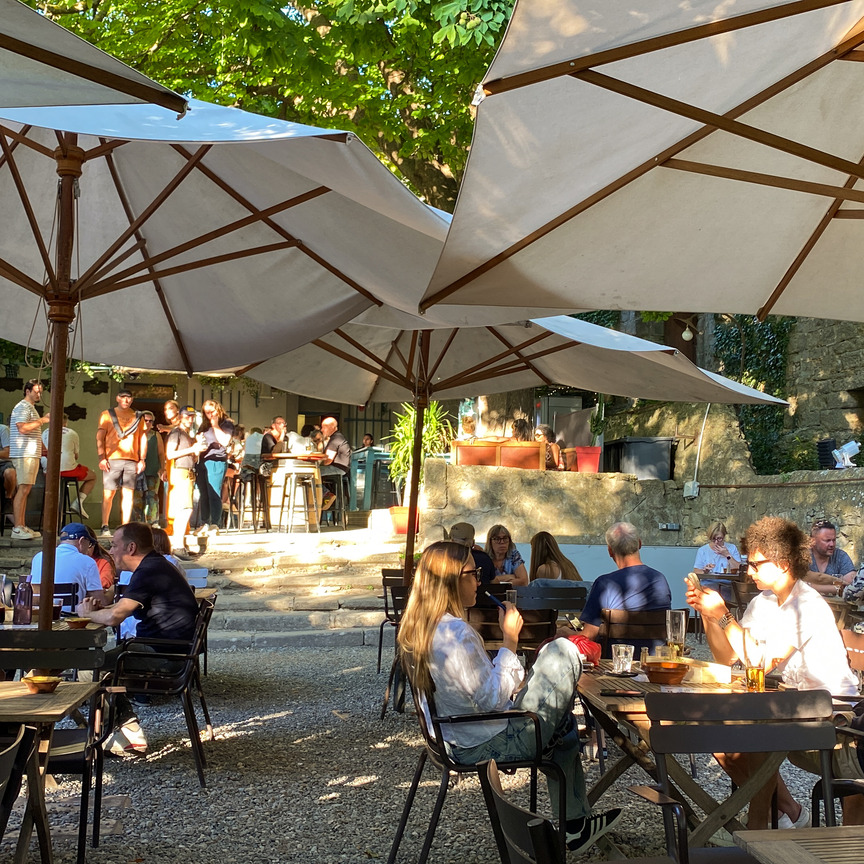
[130,447]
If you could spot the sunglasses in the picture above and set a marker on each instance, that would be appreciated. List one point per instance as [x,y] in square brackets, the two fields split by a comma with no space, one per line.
[475,573]
[753,566]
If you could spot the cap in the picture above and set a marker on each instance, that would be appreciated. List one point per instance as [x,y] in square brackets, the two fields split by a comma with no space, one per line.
[74,531]
[187,411]
[462,532]
[124,391]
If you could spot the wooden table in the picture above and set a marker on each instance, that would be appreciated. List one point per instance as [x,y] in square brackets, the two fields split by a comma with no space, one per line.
[845,614]
[41,710]
[844,845]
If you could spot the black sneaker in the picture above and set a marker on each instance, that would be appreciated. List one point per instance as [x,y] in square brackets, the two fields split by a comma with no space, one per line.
[585,832]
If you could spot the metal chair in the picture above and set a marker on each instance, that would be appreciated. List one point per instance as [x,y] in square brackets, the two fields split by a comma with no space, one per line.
[13,761]
[435,752]
[396,681]
[743,592]
[175,673]
[770,723]
[568,598]
[619,625]
[389,579]
[67,513]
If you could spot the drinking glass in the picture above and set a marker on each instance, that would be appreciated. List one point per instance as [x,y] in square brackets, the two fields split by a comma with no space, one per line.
[510,595]
[622,658]
[676,631]
[754,664]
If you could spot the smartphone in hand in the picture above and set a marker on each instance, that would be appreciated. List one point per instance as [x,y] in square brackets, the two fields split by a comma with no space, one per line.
[693,582]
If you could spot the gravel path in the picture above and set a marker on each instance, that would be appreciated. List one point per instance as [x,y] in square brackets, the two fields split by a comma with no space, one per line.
[303,770]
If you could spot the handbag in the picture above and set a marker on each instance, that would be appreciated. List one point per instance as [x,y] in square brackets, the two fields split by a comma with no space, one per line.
[265,469]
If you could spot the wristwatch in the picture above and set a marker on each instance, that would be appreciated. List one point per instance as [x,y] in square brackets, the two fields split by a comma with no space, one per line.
[726,620]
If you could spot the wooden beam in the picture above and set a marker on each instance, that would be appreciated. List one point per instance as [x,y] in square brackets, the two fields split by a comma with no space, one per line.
[21,138]
[443,352]
[104,148]
[835,192]
[851,41]
[144,91]
[533,368]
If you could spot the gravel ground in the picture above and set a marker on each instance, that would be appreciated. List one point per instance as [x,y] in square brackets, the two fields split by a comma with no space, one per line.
[303,770]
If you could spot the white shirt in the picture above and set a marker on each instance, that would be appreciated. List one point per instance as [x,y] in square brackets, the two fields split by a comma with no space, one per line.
[69,448]
[706,555]
[805,621]
[468,682]
[4,437]
[70,565]
[24,444]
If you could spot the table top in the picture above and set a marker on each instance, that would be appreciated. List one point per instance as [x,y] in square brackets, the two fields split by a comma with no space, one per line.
[18,705]
[305,457]
[592,682]
[842,845]
[61,635]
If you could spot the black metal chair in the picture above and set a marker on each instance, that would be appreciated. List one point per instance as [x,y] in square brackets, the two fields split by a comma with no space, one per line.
[619,625]
[743,592]
[770,723]
[568,598]
[389,578]
[436,752]
[17,746]
[396,680]
[175,673]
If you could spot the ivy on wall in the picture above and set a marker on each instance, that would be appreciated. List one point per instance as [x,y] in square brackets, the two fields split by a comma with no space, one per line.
[756,353]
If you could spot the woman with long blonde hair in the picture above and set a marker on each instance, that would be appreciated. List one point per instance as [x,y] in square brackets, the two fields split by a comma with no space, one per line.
[548,561]
[443,655]
[216,432]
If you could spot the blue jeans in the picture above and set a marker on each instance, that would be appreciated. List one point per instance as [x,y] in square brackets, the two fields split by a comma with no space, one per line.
[550,692]
[210,505]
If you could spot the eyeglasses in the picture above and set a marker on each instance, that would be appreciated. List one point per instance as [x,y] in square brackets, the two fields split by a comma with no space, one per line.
[755,565]
[501,538]
[475,573]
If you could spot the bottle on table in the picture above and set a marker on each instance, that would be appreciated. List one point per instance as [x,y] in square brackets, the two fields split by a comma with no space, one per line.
[22,612]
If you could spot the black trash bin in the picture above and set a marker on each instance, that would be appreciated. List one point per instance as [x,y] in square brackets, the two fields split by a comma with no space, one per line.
[647,458]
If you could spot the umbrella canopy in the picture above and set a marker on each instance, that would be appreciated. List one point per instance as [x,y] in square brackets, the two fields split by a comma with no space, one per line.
[666,156]
[360,363]
[42,63]
[220,240]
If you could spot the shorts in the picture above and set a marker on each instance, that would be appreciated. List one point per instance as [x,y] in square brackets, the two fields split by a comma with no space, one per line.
[121,474]
[182,489]
[27,469]
[845,761]
[5,465]
[77,473]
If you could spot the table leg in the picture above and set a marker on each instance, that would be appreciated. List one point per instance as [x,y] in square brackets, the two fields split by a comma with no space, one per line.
[36,814]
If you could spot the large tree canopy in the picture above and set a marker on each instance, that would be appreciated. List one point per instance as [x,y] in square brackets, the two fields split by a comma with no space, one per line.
[399,73]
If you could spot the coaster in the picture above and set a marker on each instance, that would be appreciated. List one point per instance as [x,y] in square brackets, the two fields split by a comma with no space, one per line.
[623,674]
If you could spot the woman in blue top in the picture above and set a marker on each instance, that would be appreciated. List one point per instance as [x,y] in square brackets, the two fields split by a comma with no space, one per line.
[509,564]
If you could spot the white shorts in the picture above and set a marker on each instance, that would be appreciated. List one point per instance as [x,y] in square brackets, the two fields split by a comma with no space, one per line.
[27,469]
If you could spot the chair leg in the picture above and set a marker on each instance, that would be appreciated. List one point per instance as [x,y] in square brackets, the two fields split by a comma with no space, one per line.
[436,815]
[406,810]
[381,642]
[85,808]
[210,733]
[194,737]
[389,685]
[97,796]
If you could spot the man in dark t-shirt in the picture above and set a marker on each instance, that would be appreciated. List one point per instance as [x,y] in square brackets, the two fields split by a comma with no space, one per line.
[633,586]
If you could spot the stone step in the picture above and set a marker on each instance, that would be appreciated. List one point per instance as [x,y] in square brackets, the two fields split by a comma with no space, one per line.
[291,601]
[237,640]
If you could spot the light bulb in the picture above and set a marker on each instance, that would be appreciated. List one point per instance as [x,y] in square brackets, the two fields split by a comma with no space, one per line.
[687,335]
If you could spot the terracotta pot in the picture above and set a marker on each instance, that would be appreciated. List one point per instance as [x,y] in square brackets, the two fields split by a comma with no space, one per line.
[399,516]
[588,459]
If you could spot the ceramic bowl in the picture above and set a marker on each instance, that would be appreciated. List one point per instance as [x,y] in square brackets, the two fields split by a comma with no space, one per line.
[77,623]
[42,683]
[666,672]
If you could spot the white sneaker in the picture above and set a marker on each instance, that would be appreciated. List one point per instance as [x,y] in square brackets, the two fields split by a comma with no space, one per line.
[76,507]
[22,532]
[803,820]
[128,739]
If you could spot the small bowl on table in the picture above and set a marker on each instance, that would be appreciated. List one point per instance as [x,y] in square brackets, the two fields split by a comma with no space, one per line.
[42,683]
[666,672]
[77,623]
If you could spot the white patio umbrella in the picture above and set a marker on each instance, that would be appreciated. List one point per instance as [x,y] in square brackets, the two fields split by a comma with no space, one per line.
[223,239]
[634,154]
[42,63]
[387,356]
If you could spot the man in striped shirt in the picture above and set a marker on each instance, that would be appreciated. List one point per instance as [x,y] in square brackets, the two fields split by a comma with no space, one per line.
[25,448]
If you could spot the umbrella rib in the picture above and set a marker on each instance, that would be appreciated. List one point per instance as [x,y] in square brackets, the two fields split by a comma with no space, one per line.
[28,210]
[282,232]
[217,233]
[656,43]
[518,353]
[356,361]
[21,138]
[806,249]
[103,149]
[443,352]
[409,362]
[363,350]
[845,193]
[853,40]
[157,285]
[718,121]
[144,92]
[109,288]
[13,274]
[145,214]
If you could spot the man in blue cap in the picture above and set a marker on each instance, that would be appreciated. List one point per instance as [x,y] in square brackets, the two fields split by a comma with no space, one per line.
[73,563]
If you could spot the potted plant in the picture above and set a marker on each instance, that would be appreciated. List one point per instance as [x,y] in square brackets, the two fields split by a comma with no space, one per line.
[588,458]
[436,439]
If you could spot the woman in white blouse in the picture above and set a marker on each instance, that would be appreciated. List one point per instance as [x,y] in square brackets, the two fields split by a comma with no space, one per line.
[447,656]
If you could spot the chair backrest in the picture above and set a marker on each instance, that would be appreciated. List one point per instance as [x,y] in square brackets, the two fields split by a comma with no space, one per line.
[205,612]
[619,625]
[539,625]
[7,759]
[389,579]
[523,837]
[743,592]
[566,598]
[68,592]
[854,643]
[740,722]
[13,763]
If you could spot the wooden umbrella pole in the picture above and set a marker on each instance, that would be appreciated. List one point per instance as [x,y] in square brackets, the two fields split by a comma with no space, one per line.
[61,313]
[421,402]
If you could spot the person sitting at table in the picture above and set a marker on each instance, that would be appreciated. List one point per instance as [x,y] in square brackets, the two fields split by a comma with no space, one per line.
[717,556]
[548,561]
[634,586]
[554,459]
[463,533]
[442,653]
[795,624]
[72,564]
[508,562]
[368,440]
[831,569]
[521,430]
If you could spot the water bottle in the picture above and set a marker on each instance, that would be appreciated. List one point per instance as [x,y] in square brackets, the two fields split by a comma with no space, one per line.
[23,610]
